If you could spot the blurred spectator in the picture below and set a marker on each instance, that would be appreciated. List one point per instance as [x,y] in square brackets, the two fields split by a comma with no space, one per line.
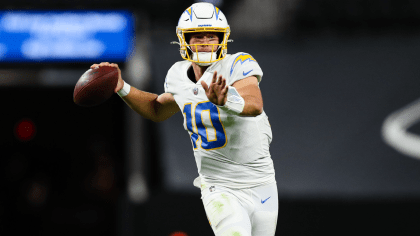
[101,180]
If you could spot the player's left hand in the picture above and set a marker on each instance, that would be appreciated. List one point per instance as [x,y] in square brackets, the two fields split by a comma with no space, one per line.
[217,90]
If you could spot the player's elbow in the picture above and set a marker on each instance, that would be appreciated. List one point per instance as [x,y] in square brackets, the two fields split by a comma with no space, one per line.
[162,115]
[258,110]
[257,107]
[154,119]
[253,109]
[158,119]
[155,116]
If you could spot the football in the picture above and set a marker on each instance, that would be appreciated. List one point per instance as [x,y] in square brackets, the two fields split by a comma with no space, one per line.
[95,86]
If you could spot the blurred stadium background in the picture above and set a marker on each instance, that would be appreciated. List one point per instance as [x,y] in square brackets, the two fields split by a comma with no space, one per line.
[333,72]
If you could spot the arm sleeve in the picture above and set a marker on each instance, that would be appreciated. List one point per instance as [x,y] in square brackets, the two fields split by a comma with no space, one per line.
[242,66]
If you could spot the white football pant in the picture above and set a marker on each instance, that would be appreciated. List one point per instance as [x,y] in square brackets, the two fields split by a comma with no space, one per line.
[245,212]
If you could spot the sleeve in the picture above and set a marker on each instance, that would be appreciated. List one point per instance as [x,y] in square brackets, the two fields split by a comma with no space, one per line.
[166,86]
[242,66]
[169,85]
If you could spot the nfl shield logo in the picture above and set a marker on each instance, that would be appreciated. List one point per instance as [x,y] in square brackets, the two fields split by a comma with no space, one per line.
[195,91]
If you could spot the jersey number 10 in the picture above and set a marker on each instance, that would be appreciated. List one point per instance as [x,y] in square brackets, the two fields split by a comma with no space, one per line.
[194,123]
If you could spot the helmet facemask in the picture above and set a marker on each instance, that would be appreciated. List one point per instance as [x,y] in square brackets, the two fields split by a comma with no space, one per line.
[203,58]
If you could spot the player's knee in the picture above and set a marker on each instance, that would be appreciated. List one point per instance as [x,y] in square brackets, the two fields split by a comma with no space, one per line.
[235,231]
[265,223]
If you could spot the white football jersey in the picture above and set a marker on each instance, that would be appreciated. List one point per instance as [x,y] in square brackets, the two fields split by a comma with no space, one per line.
[229,150]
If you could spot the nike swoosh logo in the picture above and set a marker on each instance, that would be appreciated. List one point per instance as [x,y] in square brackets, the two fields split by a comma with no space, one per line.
[245,74]
[262,202]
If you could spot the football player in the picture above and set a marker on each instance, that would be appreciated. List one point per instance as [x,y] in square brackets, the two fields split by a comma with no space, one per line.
[220,99]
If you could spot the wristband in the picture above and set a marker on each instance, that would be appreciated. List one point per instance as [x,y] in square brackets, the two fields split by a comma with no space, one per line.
[125,90]
[234,103]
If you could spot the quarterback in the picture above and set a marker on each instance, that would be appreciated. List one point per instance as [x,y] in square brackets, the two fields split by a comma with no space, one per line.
[219,96]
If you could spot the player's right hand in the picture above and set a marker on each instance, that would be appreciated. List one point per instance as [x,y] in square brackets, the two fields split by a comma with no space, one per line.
[120,83]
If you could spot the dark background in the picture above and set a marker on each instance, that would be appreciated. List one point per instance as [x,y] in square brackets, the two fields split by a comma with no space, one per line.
[333,71]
